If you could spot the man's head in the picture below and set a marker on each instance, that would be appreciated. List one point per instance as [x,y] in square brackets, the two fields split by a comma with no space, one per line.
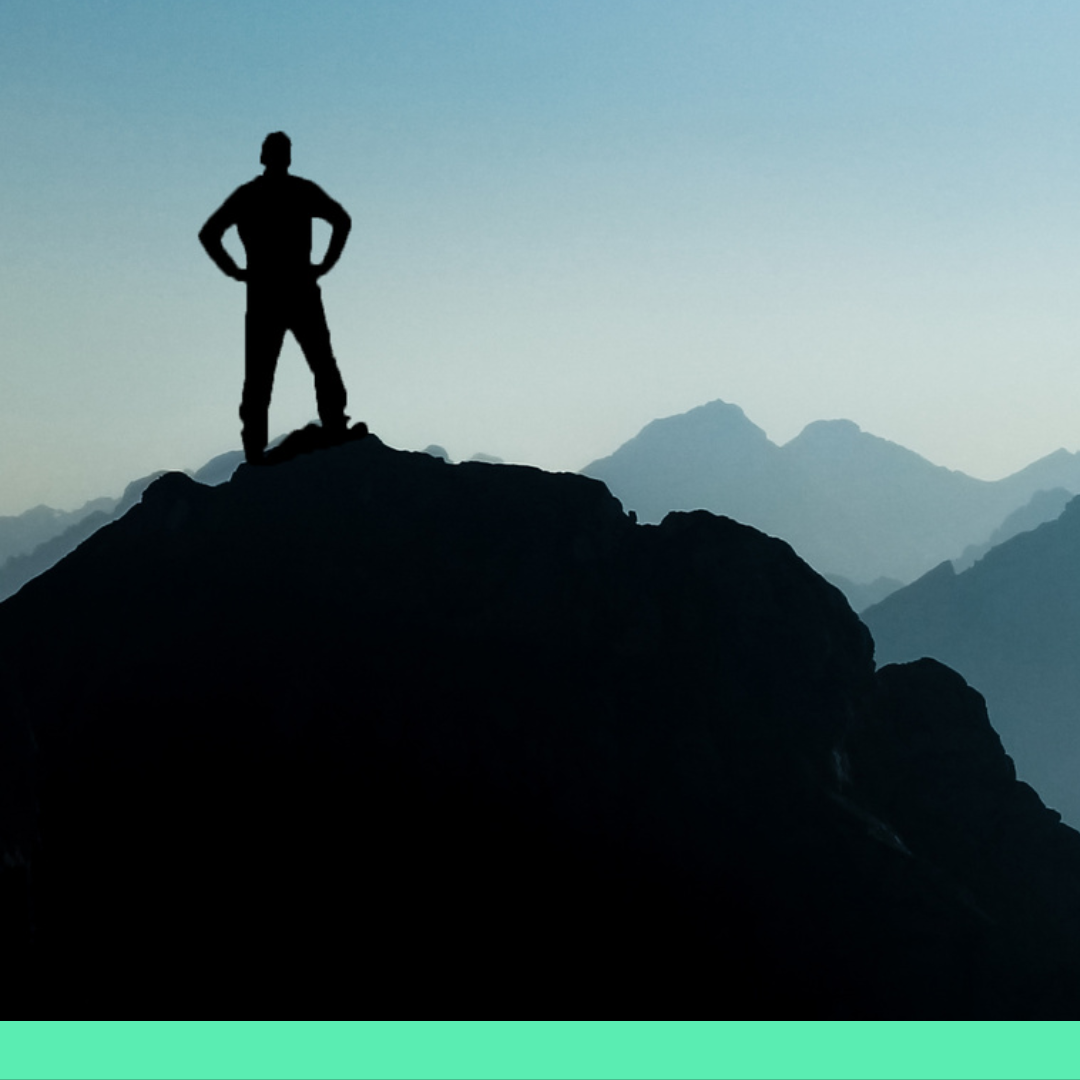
[276,151]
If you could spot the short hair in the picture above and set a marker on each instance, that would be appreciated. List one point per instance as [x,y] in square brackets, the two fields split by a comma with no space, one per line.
[276,148]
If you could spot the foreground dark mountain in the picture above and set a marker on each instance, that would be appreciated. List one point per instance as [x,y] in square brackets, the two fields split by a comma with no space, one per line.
[367,728]
[1010,624]
[20,569]
[851,504]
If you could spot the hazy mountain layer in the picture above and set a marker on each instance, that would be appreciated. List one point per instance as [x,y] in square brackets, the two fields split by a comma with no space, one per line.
[369,727]
[1044,506]
[850,503]
[21,533]
[861,596]
[1011,625]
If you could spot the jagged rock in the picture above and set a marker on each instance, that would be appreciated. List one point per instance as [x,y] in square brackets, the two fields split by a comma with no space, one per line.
[308,439]
[933,767]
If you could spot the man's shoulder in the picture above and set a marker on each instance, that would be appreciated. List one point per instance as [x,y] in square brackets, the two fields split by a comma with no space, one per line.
[307,187]
[243,194]
[257,185]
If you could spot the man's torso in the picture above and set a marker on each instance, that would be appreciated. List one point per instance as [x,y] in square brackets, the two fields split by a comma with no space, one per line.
[273,216]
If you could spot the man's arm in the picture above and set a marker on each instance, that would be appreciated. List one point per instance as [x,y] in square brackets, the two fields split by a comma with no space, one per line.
[340,224]
[210,235]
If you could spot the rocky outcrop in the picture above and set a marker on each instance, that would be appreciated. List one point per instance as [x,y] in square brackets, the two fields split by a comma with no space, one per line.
[932,767]
[465,732]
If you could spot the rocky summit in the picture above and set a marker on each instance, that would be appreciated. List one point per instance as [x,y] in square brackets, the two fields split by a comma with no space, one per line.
[368,728]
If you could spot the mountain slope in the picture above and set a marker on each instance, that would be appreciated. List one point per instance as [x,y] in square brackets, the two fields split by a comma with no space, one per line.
[711,455]
[1010,624]
[1042,507]
[55,535]
[20,569]
[369,727]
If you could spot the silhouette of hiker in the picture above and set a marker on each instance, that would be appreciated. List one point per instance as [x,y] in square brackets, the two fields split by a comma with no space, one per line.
[273,215]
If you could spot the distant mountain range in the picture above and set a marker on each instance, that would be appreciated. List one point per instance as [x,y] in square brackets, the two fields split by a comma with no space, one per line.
[1010,624]
[369,727]
[1044,506]
[857,507]
[21,533]
[868,514]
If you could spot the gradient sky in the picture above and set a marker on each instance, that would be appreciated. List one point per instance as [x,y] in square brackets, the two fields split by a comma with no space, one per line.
[569,217]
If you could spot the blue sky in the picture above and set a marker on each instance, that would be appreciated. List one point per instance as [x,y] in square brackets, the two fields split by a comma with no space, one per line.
[569,218]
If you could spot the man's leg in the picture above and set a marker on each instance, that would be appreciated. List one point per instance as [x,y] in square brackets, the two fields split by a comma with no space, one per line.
[264,331]
[313,336]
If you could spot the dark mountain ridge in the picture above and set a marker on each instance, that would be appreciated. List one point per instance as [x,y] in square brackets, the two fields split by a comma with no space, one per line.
[20,569]
[368,727]
[853,505]
[56,534]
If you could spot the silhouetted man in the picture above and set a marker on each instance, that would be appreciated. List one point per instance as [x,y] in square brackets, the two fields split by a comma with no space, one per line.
[273,215]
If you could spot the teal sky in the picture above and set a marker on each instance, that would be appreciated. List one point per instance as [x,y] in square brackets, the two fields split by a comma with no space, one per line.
[569,218]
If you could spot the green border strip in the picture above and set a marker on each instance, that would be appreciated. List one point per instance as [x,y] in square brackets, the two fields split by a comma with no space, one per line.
[537,1048]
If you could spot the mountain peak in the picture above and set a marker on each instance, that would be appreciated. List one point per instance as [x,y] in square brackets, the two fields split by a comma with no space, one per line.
[657,470]
[718,419]
[845,439]
[833,430]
